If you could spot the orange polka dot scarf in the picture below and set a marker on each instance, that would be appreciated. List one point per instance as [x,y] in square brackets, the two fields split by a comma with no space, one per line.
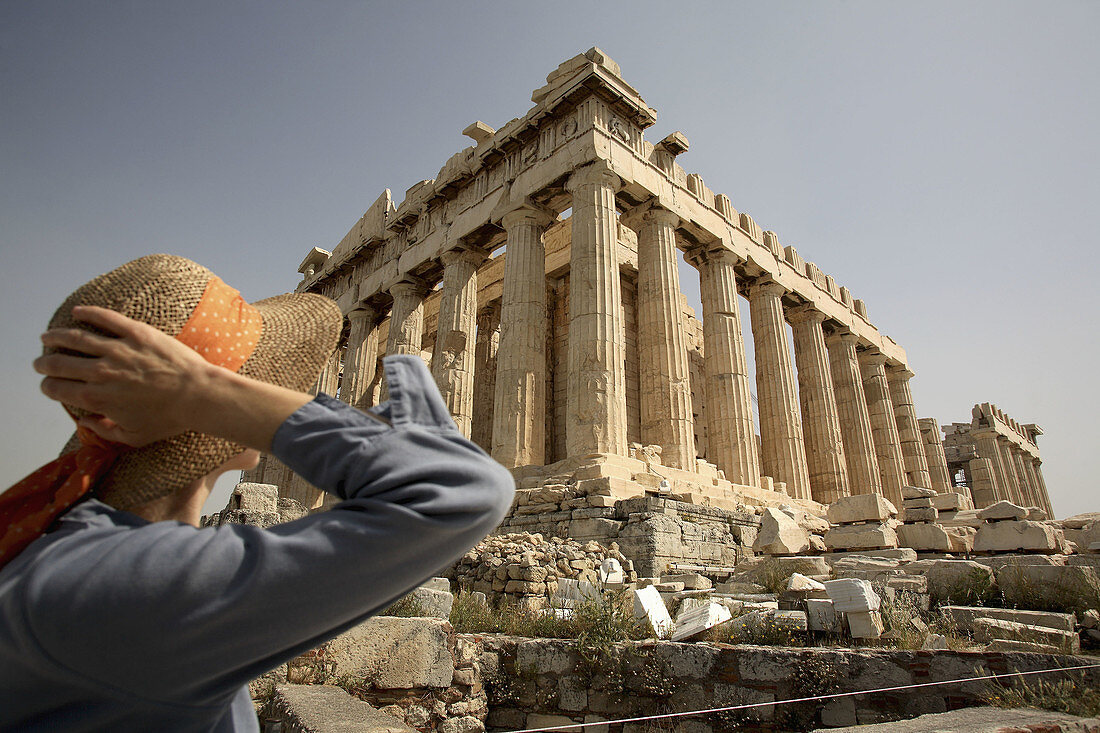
[223,328]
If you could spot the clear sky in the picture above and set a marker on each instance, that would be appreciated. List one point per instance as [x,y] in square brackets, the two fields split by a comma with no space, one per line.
[938,158]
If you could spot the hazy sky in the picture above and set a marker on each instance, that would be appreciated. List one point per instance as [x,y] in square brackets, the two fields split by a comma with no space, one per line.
[938,158]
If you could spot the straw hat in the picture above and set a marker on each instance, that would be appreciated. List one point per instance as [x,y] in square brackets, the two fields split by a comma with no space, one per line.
[299,334]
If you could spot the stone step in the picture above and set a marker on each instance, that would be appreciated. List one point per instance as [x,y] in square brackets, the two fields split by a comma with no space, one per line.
[327,709]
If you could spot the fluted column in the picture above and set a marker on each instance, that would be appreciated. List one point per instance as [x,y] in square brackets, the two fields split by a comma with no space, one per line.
[519,404]
[361,355]
[820,420]
[485,373]
[1042,484]
[1004,446]
[933,450]
[905,416]
[596,406]
[1027,492]
[884,429]
[406,332]
[663,370]
[783,451]
[453,357]
[855,420]
[986,442]
[983,482]
[731,435]
[329,379]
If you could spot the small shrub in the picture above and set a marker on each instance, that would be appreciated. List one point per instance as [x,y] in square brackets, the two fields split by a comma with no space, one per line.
[470,615]
[1074,696]
[772,576]
[406,607]
[813,675]
[902,616]
[765,632]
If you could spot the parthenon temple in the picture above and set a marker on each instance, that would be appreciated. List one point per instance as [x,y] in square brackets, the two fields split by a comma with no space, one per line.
[538,274]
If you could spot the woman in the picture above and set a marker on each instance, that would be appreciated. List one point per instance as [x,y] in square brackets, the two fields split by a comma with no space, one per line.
[116,611]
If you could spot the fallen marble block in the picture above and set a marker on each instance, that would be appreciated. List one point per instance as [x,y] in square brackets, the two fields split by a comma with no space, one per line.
[821,615]
[1002,510]
[988,629]
[864,624]
[950,502]
[916,492]
[965,616]
[649,605]
[861,536]
[1010,535]
[780,534]
[698,620]
[852,595]
[925,537]
[860,508]
[920,514]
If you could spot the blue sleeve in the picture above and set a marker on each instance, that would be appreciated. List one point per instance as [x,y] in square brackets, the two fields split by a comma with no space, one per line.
[175,613]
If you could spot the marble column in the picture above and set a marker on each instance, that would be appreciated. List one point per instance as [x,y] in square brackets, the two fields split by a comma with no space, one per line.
[406,332]
[519,403]
[905,416]
[361,355]
[329,379]
[453,358]
[820,419]
[1041,483]
[485,373]
[783,452]
[731,435]
[663,371]
[1004,446]
[855,420]
[983,482]
[596,393]
[1027,490]
[986,442]
[884,429]
[933,451]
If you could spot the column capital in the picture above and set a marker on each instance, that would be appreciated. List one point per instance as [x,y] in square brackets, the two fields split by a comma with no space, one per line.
[527,212]
[713,252]
[900,372]
[408,287]
[806,312]
[648,213]
[872,356]
[472,256]
[594,174]
[842,335]
[766,286]
[362,313]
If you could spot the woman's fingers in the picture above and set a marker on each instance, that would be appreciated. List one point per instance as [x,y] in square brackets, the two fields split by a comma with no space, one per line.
[75,339]
[108,320]
[109,430]
[66,366]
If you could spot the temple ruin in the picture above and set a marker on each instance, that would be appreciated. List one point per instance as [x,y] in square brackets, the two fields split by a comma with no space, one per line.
[538,274]
[997,458]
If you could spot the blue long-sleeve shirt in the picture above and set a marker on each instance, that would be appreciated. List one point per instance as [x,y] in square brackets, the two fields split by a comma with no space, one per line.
[110,622]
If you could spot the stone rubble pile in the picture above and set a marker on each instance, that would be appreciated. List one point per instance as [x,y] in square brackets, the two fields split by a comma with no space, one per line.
[525,568]
[1011,528]
[862,522]
[922,531]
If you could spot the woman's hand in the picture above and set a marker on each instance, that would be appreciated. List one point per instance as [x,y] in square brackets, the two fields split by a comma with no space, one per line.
[142,385]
